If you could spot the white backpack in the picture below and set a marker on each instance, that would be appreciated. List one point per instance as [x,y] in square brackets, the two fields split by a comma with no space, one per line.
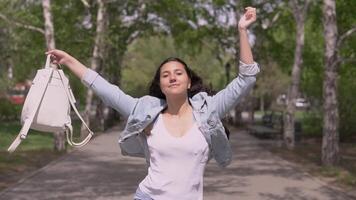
[47,106]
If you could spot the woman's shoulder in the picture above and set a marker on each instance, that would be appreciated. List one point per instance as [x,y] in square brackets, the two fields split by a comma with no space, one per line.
[151,100]
[200,96]
[147,104]
[200,99]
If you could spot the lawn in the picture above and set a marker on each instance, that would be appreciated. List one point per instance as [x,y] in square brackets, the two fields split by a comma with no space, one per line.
[35,140]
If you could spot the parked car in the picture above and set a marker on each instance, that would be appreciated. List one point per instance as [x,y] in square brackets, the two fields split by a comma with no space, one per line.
[299,103]
[302,103]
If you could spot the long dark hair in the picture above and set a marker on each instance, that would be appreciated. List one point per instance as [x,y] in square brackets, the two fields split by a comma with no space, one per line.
[196,83]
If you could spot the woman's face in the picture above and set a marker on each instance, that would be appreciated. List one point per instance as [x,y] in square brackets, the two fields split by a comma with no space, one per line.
[174,79]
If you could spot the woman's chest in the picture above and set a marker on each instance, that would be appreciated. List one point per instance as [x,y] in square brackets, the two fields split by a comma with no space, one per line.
[163,142]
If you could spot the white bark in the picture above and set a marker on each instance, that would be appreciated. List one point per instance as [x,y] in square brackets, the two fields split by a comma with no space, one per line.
[49,30]
[101,26]
[10,69]
[299,13]
[59,137]
[330,145]
[19,24]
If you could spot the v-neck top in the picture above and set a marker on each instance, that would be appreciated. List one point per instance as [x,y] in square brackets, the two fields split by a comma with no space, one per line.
[176,164]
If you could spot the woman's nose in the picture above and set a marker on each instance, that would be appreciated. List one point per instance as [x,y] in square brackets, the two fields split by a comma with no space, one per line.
[172,79]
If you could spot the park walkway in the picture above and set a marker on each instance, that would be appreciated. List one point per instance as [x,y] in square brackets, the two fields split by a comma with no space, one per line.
[98,171]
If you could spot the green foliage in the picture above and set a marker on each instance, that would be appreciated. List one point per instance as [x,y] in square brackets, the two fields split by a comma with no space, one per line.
[313,56]
[347,72]
[35,139]
[347,105]
[267,85]
[8,111]
[312,124]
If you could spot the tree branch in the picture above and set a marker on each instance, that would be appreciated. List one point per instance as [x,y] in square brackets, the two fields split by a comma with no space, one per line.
[19,24]
[299,9]
[345,35]
[346,60]
[133,37]
[306,6]
[85,3]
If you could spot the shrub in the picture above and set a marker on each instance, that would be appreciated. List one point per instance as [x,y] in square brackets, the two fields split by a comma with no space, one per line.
[312,124]
[9,111]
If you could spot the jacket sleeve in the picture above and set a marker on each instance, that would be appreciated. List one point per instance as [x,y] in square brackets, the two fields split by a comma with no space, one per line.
[228,98]
[110,94]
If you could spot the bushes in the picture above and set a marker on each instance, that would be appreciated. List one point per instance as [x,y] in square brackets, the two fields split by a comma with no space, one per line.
[312,124]
[347,106]
[9,111]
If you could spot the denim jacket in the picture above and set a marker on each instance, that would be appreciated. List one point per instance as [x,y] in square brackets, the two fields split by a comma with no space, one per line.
[207,111]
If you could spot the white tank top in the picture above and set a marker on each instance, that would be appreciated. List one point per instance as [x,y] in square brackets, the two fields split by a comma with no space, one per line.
[176,164]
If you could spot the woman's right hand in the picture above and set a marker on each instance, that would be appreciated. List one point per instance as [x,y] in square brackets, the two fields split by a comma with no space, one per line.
[60,57]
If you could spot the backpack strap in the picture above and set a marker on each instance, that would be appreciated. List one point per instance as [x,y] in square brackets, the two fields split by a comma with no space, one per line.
[28,121]
[69,130]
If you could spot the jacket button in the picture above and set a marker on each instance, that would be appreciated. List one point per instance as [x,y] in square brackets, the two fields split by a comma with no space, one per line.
[211,122]
[148,117]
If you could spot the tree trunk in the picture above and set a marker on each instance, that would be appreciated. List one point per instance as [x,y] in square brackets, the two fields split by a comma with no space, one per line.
[237,118]
[112,115]
[59,137]
[250,105]
[101,26]
[299,12]
[330,145]
[49,30]
[292,95]
[10,68]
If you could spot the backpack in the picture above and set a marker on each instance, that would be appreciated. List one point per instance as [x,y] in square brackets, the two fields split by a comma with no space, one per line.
[47,106]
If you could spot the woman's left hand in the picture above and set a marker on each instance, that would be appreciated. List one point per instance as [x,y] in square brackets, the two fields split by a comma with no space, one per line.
[248,18]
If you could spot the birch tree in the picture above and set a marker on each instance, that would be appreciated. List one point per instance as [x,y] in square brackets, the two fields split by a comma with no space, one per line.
[96,60]
[330,144]
[59,137]
[299,9]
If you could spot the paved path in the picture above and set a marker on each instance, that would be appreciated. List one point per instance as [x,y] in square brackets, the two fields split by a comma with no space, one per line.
[98,171]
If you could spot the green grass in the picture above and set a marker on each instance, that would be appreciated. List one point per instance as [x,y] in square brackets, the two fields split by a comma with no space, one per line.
[340,174]
[34,140]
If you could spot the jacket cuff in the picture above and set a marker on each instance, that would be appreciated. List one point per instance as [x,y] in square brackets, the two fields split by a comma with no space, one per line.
[89,77]
[249,69]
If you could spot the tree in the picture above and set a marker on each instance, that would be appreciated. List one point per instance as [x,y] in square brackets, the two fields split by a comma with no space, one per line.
[299,12]
[97,58]
[330,144]
[59,137]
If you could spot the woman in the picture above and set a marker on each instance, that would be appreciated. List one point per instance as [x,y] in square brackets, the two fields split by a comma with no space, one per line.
[177,128]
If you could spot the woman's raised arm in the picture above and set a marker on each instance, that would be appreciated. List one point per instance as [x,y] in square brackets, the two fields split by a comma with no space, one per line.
[110,94]
[245,50]
[227,98]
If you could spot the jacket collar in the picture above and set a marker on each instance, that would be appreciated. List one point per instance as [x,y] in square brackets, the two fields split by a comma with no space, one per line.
[197,104]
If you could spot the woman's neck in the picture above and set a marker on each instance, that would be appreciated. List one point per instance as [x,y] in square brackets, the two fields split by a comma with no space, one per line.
[177,106]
